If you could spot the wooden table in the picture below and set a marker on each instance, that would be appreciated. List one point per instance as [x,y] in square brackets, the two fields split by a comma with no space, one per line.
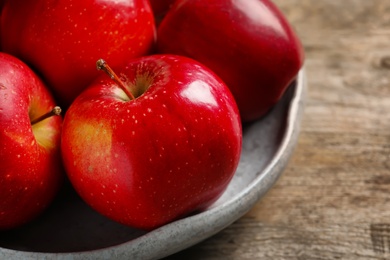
[333,200]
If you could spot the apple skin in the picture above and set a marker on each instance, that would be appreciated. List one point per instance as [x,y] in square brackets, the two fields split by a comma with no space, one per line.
[248,43]
[62,39]
[160,8]
[169,152]
[31,171]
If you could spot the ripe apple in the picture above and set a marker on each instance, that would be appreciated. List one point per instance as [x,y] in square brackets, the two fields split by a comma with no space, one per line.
[161,140]
[30,162]
[248,43]
[63,39]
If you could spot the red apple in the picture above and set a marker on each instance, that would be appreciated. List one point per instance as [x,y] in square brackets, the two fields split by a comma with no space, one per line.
[63,39]
[149,160]
[30,161]
[248,43]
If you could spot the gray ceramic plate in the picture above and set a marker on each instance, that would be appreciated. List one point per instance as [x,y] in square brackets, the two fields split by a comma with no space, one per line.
[71,230]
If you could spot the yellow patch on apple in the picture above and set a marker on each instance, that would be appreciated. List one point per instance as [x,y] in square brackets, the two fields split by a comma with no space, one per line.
[97,137]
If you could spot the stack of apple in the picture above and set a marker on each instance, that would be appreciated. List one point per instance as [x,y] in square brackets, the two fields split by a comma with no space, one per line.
[159,136]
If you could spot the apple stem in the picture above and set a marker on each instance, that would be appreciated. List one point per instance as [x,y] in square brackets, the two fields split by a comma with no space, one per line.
[56,111]
[102,65]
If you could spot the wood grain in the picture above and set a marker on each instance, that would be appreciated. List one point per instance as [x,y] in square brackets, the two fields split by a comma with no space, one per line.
[333,201]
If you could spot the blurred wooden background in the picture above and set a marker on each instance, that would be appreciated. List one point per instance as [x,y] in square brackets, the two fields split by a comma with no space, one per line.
[333,201]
